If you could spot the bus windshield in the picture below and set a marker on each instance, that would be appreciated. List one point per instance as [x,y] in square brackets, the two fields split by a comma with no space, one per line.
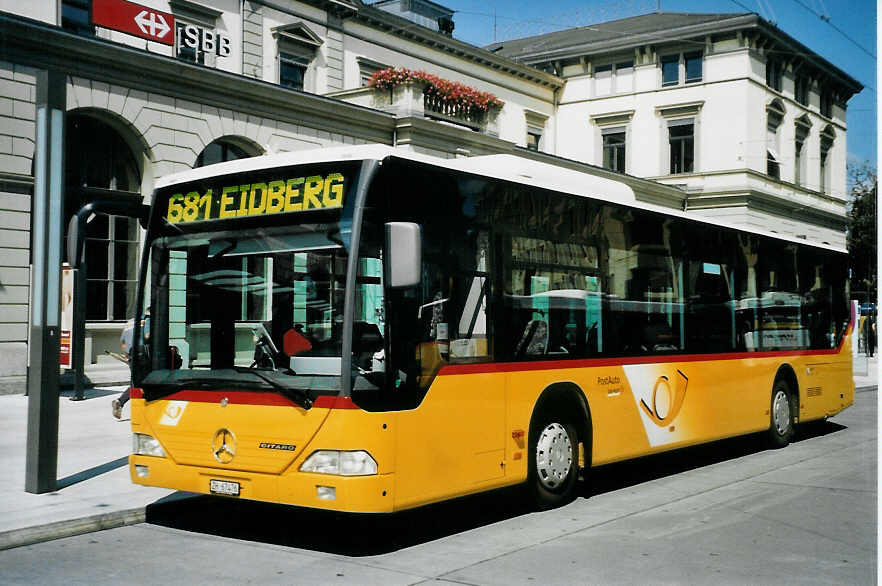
[269,299]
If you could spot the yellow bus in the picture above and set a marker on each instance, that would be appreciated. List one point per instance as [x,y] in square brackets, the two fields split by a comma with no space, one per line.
[369,330]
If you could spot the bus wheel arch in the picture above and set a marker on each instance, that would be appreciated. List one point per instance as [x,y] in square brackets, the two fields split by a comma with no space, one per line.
[784,406]
[560,422]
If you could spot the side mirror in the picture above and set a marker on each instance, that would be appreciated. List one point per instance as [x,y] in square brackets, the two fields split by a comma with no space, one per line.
[404,254]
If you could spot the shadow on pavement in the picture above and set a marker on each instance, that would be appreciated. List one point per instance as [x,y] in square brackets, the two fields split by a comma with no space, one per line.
[92,472]
[330,532]
[364,535]
[621,475]
[90,393]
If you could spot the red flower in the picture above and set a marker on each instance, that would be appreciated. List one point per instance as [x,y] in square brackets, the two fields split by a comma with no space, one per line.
[448,93]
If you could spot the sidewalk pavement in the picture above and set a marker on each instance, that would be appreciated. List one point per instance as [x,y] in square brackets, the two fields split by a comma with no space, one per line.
[94,489]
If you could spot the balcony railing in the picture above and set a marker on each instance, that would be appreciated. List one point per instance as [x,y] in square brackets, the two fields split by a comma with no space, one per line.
[433,107]
[409,99]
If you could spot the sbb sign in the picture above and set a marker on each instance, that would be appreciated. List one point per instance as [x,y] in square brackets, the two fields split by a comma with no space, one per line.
[203,40]
[134,19]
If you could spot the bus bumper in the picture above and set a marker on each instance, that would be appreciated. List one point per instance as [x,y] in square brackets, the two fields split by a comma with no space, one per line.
[355,494]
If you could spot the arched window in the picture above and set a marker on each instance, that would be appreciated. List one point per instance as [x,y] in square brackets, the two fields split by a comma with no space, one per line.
[828,137]
[220,151]
[100,165]
[802,130]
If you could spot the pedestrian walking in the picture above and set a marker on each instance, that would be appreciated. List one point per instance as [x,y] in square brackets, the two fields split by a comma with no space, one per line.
[126,342]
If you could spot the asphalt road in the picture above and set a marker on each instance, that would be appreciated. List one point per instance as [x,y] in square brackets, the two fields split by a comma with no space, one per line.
[732,512]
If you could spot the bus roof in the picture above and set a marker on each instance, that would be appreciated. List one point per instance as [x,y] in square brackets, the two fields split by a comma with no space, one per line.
[505,167]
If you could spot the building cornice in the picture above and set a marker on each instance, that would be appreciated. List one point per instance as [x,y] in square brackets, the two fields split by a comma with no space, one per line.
[800,109]
[775,204]
[821,65]
[752,173]
[403,28]
[738,24]
[611,118]
[425,133]
[645,190]
[633,41]
[43,46]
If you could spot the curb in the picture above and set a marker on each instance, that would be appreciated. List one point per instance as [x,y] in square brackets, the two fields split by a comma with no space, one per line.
[71,528]
[867,389]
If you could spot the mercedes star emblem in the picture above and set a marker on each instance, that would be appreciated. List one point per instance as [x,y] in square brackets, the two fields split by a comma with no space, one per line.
[223,446]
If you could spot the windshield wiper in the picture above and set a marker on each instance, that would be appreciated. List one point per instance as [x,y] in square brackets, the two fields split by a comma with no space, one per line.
[159,390]
[302,398]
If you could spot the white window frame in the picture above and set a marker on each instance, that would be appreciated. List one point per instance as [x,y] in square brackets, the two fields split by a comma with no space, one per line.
[677,115]
[681,67]
[775,114]
[611,123]
[802,131]
[366,68]
[301,45]
[535,126]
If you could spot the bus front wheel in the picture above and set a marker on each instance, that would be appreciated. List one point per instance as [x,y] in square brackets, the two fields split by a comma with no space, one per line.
[554,463]
[781,426]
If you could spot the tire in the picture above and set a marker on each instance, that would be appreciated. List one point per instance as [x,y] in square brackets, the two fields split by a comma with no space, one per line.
[781,415]
[554,462]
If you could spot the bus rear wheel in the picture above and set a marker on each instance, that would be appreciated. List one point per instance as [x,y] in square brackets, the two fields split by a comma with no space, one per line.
[781,426]
[554,463]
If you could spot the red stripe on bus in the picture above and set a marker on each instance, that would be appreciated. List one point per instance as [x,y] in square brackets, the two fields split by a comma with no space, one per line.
[334,402]
[489,367]
[250,398]
[232,397]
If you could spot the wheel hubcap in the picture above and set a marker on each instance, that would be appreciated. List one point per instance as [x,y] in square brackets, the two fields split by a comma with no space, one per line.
[781,412]
[554,455]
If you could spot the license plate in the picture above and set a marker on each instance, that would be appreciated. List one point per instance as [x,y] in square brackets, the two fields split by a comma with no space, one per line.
[224,487]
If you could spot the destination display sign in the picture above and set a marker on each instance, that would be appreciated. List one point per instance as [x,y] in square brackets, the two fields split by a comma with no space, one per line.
[264,198]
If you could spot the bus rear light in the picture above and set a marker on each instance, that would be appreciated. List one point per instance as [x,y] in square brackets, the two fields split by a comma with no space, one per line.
[145,445]
[340,463]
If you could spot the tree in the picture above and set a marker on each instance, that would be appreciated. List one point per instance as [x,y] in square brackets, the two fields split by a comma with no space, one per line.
[862,231]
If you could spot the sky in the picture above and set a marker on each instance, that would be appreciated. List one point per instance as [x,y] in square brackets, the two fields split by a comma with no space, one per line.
[847,38]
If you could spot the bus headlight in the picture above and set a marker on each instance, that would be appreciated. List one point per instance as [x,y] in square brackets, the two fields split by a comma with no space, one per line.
[145,445]
[340,463]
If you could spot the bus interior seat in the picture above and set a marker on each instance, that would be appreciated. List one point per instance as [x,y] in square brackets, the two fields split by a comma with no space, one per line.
[366,340]
[534,341]
[591,339]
